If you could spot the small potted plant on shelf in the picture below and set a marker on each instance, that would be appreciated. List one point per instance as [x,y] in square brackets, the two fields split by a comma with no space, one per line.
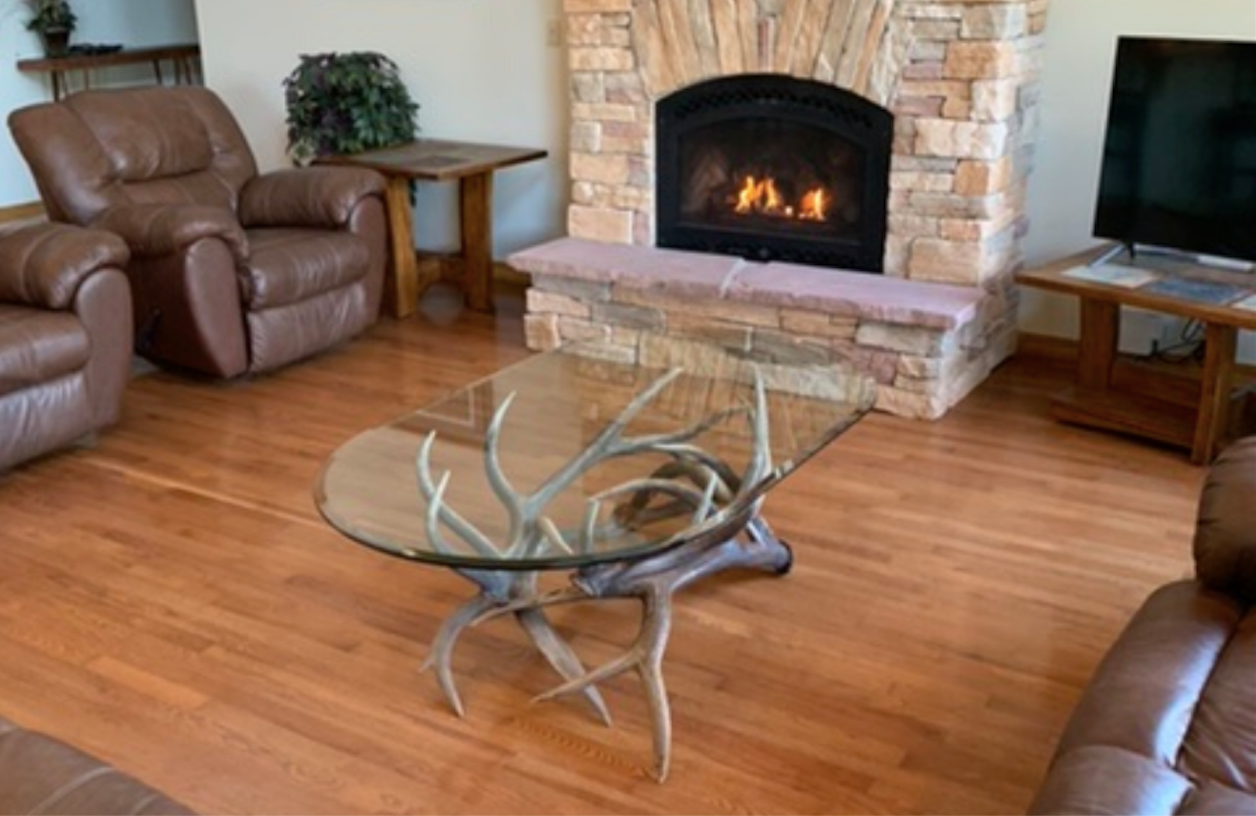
[340,103]
[53,21]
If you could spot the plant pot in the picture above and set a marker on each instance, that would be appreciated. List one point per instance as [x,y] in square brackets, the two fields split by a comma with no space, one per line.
[56,41]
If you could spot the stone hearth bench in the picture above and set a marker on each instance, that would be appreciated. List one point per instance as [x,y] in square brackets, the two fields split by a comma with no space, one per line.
[926,344]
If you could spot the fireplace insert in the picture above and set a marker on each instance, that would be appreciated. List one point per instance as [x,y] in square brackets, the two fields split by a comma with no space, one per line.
[770,167]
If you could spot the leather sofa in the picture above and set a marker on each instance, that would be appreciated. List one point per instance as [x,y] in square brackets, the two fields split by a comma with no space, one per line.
[39,774]
[1168,723]
[65,337]
[232,271]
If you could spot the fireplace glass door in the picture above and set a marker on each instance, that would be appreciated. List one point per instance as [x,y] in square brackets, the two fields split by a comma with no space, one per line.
[774,168]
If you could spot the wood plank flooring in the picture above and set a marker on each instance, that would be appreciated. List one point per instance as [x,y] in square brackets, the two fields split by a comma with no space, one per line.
[171,601]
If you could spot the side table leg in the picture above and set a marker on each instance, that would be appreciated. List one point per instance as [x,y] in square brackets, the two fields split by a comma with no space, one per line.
[475,195]
[1220,346]
[401,290]
[1100,327]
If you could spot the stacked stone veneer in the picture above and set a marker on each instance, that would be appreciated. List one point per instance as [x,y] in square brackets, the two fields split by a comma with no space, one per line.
[915,340]
[961,77]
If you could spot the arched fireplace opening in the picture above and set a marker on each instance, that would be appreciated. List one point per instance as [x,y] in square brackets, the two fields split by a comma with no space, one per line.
[774,168]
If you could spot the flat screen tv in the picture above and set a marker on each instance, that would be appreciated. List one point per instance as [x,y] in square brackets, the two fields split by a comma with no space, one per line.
[1179,155]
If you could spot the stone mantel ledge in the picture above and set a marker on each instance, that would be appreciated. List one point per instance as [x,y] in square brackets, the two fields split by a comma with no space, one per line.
[680,274]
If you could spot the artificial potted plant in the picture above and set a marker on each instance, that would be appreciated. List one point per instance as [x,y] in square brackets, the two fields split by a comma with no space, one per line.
[341,103]
[53,21]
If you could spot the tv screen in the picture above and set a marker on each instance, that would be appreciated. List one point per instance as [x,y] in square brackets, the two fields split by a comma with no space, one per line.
[1179,155]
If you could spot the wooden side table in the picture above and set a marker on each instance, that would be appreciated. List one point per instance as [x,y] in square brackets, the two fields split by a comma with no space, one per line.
[472,165]
[1096,402]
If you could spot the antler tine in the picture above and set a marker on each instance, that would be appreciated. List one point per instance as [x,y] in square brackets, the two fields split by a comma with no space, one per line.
[664,441]
[690,458]
[668,486]
[604,446]
[569,594]
[497,480]
[708,498]
[437,509]
[645,398]
[551,533]
[589,526]
[761,458]
[431,519]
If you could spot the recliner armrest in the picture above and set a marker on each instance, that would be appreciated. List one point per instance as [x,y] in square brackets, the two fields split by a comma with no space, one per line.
[160,229]
[1225,532]
[307,197]
[44,264]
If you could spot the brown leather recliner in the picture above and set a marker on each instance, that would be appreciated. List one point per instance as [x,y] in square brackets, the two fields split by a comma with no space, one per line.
[1167,724]
[65,337]
[231,271]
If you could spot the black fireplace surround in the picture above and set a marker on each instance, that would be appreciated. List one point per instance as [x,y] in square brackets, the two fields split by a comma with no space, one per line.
[770,167]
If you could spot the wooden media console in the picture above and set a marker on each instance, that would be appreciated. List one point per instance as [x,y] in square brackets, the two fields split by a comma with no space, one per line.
[1223,301]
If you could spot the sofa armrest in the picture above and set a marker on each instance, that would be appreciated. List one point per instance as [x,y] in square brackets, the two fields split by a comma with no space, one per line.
[1225,532]
[44,264]
[162,229]
[320,197]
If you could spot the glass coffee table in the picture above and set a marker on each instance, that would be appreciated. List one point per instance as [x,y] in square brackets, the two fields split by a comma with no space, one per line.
[640,470]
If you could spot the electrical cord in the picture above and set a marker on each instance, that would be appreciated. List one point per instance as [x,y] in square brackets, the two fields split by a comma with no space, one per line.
[1190,344]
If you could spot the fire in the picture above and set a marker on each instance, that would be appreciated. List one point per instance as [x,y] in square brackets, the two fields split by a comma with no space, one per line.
[761,196]
[815,205]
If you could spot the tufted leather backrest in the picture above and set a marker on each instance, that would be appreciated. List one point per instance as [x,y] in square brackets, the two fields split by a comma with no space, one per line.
[161,145]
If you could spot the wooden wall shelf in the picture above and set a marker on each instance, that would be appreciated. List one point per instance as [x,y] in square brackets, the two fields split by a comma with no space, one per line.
[183,58]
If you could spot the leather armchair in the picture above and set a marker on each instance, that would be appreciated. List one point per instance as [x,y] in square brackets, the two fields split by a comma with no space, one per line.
[65,337]
[232,271]
[1167,724]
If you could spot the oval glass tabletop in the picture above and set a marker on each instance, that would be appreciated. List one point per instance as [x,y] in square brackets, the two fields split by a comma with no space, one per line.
[589,453]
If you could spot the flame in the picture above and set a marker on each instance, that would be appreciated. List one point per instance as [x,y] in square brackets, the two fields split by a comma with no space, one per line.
[748,195]
[814,205]
[773,203]
[761,196]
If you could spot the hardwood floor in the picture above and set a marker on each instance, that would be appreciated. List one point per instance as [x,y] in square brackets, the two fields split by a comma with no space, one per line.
[171,601]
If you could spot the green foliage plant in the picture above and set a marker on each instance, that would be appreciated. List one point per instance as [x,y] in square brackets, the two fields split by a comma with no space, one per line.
[340,103]
[50,15]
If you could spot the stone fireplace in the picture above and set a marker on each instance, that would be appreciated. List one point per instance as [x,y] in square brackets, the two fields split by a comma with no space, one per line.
[960,78]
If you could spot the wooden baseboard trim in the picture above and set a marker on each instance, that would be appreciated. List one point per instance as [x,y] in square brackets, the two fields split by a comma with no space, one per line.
[1046,348]
[1064,350]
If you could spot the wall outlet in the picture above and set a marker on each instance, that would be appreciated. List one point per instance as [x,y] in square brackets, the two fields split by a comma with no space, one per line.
[1173,334]
[1144,333]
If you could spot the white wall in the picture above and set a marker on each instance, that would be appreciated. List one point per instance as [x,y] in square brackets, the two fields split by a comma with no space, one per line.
[1081,41]
[127,22]
[481,70]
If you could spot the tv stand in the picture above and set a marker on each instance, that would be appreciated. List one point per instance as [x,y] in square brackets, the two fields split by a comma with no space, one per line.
[1096,400]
